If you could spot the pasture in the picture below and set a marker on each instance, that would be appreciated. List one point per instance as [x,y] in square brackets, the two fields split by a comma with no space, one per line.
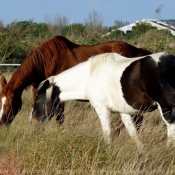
[77,147]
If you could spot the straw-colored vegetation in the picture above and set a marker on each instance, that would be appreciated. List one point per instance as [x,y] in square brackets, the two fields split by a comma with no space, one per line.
[77,147]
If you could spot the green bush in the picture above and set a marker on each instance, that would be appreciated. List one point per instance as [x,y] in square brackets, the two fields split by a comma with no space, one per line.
[139,30]
[75,30]
[18,38]
[117,35]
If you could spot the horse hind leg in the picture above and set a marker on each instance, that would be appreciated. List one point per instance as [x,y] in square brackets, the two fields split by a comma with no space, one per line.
[128,122]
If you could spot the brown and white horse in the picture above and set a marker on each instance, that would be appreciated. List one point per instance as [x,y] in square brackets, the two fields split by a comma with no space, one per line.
[115,83]
[50,58]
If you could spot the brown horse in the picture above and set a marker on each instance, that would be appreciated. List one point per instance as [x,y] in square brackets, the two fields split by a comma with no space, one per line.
[51,58]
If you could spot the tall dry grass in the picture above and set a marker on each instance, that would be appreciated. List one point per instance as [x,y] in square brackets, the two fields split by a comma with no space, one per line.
[77,146]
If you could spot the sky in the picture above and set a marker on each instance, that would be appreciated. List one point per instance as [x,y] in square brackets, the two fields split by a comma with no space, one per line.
[78,11]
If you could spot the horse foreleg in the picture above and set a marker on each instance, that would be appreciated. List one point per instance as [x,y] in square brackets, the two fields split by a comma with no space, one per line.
[131,128]
[104,116]
[137,119]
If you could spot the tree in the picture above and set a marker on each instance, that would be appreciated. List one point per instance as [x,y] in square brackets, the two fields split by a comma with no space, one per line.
[57,24]
[75,29]
[2,28]
[94,24]
[118,23]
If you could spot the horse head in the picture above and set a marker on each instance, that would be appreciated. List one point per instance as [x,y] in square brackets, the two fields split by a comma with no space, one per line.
[46,102]
[10,102]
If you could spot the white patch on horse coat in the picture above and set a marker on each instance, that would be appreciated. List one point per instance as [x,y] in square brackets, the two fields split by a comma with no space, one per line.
[49,93]
[2,106]
[72,83]
[156,57]
[171,133]
[104,82]
[160,110]
[31,115]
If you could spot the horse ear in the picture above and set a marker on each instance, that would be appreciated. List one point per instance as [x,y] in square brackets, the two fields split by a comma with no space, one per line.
[43,87]
[3,81]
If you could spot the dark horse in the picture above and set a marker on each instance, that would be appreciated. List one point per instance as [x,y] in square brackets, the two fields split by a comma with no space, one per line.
[115,83]
[51,58]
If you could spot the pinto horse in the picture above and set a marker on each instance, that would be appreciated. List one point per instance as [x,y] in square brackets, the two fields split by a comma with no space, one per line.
[48,59]
[115,83]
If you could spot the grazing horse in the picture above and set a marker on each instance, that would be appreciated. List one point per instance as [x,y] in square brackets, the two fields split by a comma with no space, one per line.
[115,83]
[48,59]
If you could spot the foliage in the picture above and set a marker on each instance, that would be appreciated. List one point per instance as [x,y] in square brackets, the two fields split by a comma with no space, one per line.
[75,30]
[56,24]
[13,47]
[117,35]
[94,24]
[119,23]
[17,39]
[139,29]
[158,41]
[29,28]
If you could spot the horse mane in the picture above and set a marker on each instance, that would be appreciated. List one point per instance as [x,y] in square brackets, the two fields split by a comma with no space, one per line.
[44,54]
[167,89]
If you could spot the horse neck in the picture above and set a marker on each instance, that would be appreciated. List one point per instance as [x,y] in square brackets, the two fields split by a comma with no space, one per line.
[23,77]
[72,83]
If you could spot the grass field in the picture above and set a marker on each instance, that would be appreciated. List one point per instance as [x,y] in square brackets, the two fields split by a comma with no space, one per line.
[77,146]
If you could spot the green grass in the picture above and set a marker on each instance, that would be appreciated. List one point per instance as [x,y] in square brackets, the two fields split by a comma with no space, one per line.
[77,147]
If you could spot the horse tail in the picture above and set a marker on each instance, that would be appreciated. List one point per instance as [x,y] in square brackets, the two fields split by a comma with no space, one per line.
[167,89]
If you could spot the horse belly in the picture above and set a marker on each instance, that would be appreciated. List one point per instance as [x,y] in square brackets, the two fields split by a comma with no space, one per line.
[104,88]
[118,104]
